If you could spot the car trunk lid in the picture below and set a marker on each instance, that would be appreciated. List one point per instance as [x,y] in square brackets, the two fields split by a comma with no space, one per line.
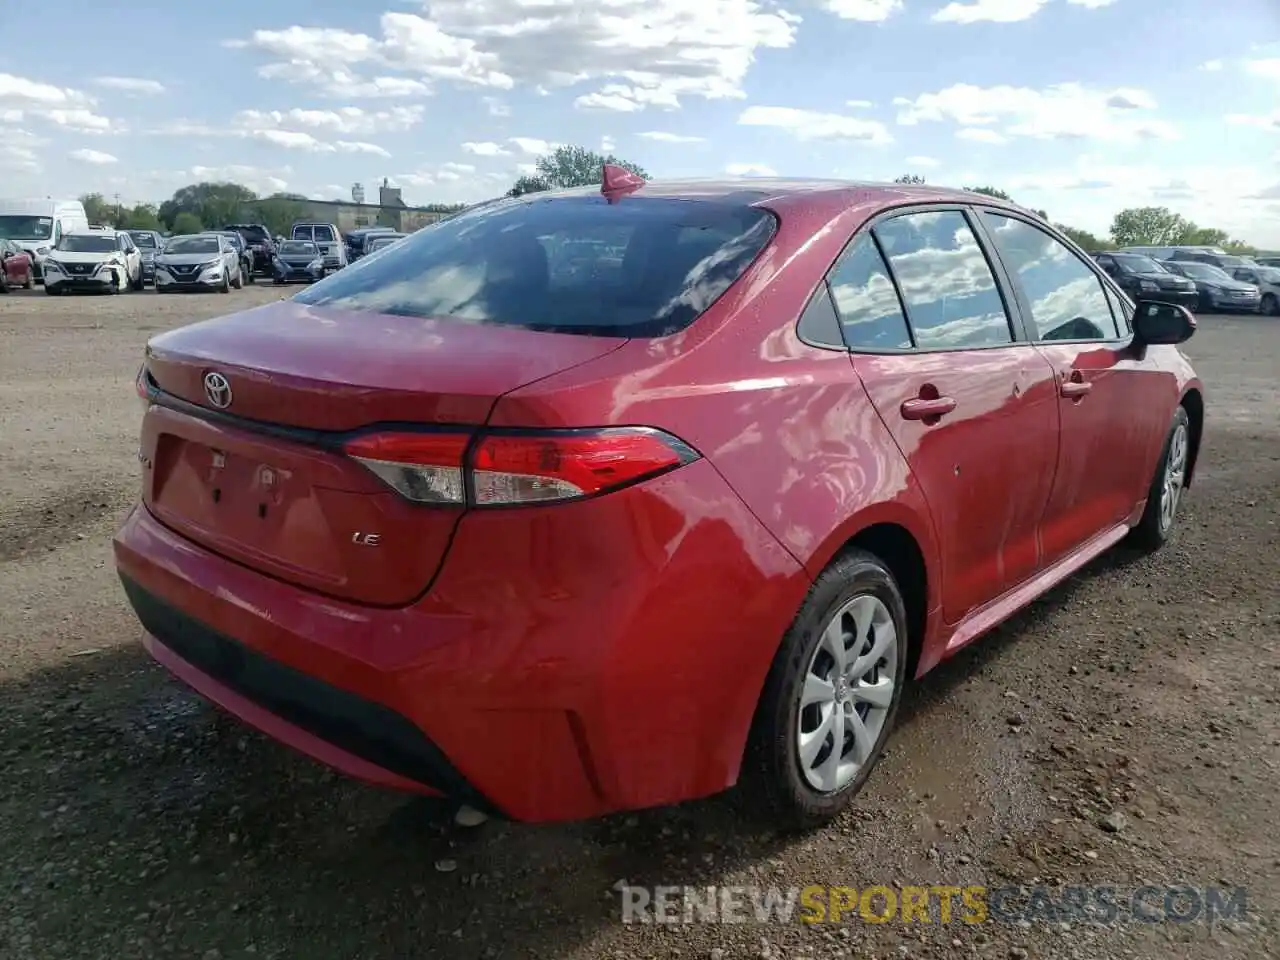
[254,470]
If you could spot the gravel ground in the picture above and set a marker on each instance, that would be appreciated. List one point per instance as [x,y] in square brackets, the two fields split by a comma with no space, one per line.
[1123,731]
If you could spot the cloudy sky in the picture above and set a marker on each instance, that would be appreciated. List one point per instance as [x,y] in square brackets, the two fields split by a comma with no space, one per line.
[1077,106]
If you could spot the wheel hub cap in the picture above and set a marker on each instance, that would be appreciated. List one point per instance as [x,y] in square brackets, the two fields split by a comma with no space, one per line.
[847,693]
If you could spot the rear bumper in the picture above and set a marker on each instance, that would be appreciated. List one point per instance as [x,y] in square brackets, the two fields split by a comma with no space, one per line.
[609,656]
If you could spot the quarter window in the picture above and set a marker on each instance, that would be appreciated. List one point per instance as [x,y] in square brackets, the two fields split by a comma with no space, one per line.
[1066,297]
[868,306]
[951,296]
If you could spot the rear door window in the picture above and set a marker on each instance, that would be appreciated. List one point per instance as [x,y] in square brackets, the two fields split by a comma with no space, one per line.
[951,295]
[302,233]
[643,267]
[870,312]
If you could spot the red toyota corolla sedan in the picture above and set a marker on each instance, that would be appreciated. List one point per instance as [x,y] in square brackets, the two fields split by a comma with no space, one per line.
[609,498]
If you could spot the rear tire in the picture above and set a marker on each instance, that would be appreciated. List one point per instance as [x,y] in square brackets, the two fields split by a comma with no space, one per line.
[854,611]
[1271,305]
[1167,487]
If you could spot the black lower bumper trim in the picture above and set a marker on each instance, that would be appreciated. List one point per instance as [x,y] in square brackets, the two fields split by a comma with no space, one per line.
[361,727]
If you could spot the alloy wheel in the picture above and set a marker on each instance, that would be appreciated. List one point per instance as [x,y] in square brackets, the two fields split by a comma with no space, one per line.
[1175,472]
[848,693]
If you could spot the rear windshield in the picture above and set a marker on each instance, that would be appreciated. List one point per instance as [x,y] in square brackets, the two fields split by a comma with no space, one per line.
[639,268]
[321,233]
[298,248]
[251,233]
[143,239]
[87,243]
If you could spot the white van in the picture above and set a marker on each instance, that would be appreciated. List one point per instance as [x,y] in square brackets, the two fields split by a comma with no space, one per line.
[37,225]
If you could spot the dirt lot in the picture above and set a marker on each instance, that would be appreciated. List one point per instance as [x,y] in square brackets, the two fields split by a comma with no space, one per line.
[138,822]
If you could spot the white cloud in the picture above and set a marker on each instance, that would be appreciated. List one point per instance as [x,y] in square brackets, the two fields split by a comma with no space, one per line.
[1268,69]
[1063,111]
[981,135]
[1091,4]
[18,153]
[63,106]
[641,56]
[869,11]
[991,11]
[532,146]
[496,107]
[608,144]
[360,146]
[1212,66]
[661,136]
[750,170]
[130,85]
[812,125]
[344,120]
[95,157]
[484,149]
[926,162]
[1269,122]
[859,104]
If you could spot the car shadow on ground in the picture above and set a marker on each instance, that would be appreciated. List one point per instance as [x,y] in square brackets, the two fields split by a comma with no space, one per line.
[126,799]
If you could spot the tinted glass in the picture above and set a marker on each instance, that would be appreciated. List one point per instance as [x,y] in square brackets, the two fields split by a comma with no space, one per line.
[184,245]
[866,301]
[298,248]
[301,233]
[951,295]
[88,243]
[1122,310]
[1202,271]
[1067,298]
[642,267]
[1267,274]
[143,239]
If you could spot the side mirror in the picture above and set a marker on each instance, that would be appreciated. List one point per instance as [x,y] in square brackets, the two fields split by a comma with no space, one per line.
[1162,323]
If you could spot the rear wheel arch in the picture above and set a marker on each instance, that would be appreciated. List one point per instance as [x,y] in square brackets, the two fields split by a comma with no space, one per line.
[1193,402]
[902,553]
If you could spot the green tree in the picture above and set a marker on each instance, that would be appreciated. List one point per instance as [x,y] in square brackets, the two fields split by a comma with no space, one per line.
[527,184]
[212,203]
[991,192]
[910,179]
[98,209]
[1206,237]
[141,217]
[1083,239]
[570,167]
[186,222]
[1154,226]
[279,212]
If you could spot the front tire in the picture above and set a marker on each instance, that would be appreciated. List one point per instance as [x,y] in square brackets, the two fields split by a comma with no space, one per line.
[226,283]
[1167,487]
[831,696]
[1271,305]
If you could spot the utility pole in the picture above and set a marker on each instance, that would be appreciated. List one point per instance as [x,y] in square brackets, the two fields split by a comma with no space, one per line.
[119,216]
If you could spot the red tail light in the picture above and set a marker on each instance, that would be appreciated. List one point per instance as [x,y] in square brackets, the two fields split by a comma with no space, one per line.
[502,469]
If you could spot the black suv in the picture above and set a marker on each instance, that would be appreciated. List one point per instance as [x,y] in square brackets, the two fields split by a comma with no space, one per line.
[259,245]
[1145,279]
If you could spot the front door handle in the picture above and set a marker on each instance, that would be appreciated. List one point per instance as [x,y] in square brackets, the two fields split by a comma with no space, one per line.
[926,409]
[1074,387]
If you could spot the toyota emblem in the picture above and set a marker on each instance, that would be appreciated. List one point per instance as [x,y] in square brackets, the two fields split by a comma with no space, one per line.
[217,390]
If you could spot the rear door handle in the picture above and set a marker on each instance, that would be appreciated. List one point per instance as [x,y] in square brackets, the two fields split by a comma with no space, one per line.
[922,409]
[1074,389]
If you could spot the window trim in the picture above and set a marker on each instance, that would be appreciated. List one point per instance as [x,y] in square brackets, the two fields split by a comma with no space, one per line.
[1015,284]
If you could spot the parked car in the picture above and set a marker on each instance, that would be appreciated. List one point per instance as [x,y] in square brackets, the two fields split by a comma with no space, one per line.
[327,238]
[298,261]
[381,241]
[1267,261]
[234,238]
[16,268]
[149,243]
[198,261]
[1216,288]
[37,225]
[1140,276]
[357,240]
[1223,261]
[99,261]
[1267,280]
[694,519]
[261,246]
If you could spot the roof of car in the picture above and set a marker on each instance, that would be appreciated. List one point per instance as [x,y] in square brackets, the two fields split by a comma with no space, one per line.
[108,232]
[774,191]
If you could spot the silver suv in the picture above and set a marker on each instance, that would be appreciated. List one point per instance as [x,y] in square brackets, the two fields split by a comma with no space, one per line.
[327,238]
